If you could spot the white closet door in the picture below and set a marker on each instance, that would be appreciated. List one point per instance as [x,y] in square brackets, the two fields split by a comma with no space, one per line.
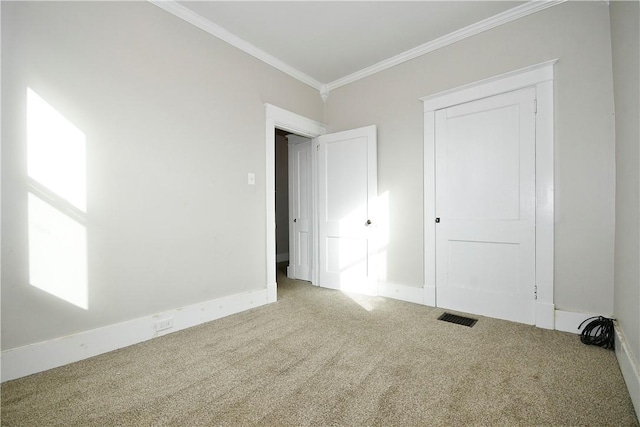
[485,204]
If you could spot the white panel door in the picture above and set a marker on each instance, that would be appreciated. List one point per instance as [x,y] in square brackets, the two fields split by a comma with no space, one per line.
[301,215]
[485,204]
[347,191]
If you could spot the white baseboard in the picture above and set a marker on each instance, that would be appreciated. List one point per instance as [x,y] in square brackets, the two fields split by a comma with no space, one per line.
[401,292]
[30,359]
[272,292]
[568,321]
[545,315]
[429,295]
[629,367]
[282,257]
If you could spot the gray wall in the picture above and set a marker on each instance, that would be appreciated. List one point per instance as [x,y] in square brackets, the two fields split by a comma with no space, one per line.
[578,34]
[174,120]
[625,21]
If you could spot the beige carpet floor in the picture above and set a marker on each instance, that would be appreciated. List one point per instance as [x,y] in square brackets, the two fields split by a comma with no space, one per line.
[321,357]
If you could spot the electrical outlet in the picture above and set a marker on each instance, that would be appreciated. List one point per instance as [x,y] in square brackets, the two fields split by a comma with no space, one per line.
[164,324]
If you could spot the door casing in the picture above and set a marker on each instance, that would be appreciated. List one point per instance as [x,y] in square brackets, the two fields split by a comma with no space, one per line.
[277,117]
[540,77]
[291,122]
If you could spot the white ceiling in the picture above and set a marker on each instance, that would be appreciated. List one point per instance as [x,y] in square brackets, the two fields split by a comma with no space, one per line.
[329,43]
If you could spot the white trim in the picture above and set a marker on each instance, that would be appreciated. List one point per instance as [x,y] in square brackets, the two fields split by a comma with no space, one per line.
[630,370]
[270,208]
[505,17]
[429,295]
[545,315]
[506,82]
[401,292]
[282,119]
[315,224]
[541,77]
[429,180]
[193,18]
[30,359]
[568,321]
[295,123]
[324,93]
[545,193]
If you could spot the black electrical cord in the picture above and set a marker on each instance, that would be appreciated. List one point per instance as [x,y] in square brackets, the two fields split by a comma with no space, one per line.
[600,331]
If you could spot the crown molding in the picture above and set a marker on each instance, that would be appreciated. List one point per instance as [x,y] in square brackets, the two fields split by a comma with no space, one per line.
[507,16]
[204,24]
[324,93]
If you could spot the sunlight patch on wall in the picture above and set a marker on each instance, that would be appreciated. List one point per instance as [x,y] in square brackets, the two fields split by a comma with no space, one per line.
[57,253]
[57,203]
[56,152]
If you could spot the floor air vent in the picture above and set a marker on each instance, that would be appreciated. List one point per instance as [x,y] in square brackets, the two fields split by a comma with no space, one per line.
[458,320]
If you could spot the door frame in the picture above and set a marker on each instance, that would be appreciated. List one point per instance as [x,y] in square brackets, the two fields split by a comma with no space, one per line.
[540,77]
[277,117]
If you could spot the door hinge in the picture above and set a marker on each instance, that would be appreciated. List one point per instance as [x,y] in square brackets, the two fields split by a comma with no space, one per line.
[318,147]
[535,292]
[535,106]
